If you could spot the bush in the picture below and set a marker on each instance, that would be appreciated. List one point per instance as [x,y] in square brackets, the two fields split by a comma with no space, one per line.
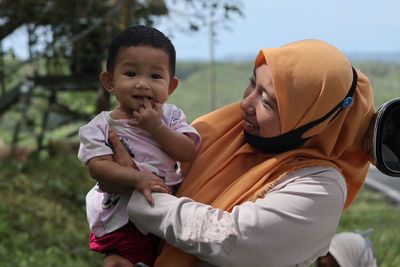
[42,215]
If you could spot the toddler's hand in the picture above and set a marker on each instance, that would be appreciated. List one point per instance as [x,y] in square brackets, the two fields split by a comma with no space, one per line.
[149,182]
[148,117]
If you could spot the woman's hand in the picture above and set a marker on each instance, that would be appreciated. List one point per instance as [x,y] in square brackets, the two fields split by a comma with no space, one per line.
[121,155]
[109,188]
[147,182]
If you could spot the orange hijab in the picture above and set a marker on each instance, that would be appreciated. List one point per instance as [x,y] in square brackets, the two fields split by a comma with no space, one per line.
[310,78]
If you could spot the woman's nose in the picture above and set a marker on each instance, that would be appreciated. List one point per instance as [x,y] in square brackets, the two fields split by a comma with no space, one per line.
[247,104]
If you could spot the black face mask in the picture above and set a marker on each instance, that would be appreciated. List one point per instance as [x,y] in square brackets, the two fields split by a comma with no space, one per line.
[273,145]
[292,139]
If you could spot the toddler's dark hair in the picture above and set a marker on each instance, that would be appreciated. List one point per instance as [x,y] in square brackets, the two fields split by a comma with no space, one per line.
[140,35]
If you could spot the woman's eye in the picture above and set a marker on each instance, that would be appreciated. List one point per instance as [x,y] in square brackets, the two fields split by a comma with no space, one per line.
[265,99]
[130,73]
[252,82]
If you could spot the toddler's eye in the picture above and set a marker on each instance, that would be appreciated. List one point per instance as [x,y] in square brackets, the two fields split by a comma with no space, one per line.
[156,76]
[130,73]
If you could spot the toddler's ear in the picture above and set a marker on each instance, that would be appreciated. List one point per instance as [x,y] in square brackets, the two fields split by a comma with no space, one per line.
[172,85]
[106,81]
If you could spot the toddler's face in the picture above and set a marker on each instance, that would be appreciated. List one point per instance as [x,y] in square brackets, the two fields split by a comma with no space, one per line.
[141,72]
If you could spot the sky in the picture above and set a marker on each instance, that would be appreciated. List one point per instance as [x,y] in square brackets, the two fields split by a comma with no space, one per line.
[351,25]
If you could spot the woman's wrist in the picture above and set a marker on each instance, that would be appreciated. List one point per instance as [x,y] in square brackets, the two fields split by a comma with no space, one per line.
[121,190]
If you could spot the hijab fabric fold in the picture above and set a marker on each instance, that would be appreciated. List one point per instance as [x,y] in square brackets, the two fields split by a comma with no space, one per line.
[310,78]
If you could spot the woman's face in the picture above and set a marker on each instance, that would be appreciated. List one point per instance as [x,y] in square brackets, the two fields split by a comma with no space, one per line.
[259,107]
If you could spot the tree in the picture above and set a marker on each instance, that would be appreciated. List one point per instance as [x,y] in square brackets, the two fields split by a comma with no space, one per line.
[79,30]
[76,33]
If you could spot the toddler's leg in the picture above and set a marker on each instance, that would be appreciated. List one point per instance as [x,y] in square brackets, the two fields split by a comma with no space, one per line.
[124,245]
[114,260]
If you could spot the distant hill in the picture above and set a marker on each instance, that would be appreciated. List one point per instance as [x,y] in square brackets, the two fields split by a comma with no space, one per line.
[392,57]
[232,77]
[376,57]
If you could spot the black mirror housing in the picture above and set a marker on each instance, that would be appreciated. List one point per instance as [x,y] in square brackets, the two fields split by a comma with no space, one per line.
[385,143]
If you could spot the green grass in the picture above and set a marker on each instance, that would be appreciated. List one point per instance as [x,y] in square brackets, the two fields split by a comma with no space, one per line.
[43,223]
[371,209]
[384,78]
[42,216]
[193,95]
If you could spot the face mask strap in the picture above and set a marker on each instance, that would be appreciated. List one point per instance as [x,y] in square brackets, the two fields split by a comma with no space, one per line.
[345,103]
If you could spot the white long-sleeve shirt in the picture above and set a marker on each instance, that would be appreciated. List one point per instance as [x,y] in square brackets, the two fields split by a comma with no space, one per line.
[291,226]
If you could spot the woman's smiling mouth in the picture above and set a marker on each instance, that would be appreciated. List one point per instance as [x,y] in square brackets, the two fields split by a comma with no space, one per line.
[248,124]
[249,127]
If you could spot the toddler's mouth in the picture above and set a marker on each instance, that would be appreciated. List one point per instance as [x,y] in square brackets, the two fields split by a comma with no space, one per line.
[141,99]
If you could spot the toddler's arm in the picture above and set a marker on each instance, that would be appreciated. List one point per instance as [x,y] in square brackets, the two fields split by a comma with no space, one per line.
[178,145]
[106,171]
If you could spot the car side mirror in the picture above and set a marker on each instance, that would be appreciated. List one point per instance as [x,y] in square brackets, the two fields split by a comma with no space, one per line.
[385,145]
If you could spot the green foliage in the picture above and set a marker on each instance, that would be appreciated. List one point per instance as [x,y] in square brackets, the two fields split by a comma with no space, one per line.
[384,78]
[43,223]
[193,92]
[82,35]
[184,69]
[42,216]
[371,209]
[11,72]
[192,95]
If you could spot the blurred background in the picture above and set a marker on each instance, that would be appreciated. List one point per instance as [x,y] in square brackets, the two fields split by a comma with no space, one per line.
[51,54]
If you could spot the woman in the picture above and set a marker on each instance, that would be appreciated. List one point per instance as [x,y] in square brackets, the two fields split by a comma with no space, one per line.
[275,171]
